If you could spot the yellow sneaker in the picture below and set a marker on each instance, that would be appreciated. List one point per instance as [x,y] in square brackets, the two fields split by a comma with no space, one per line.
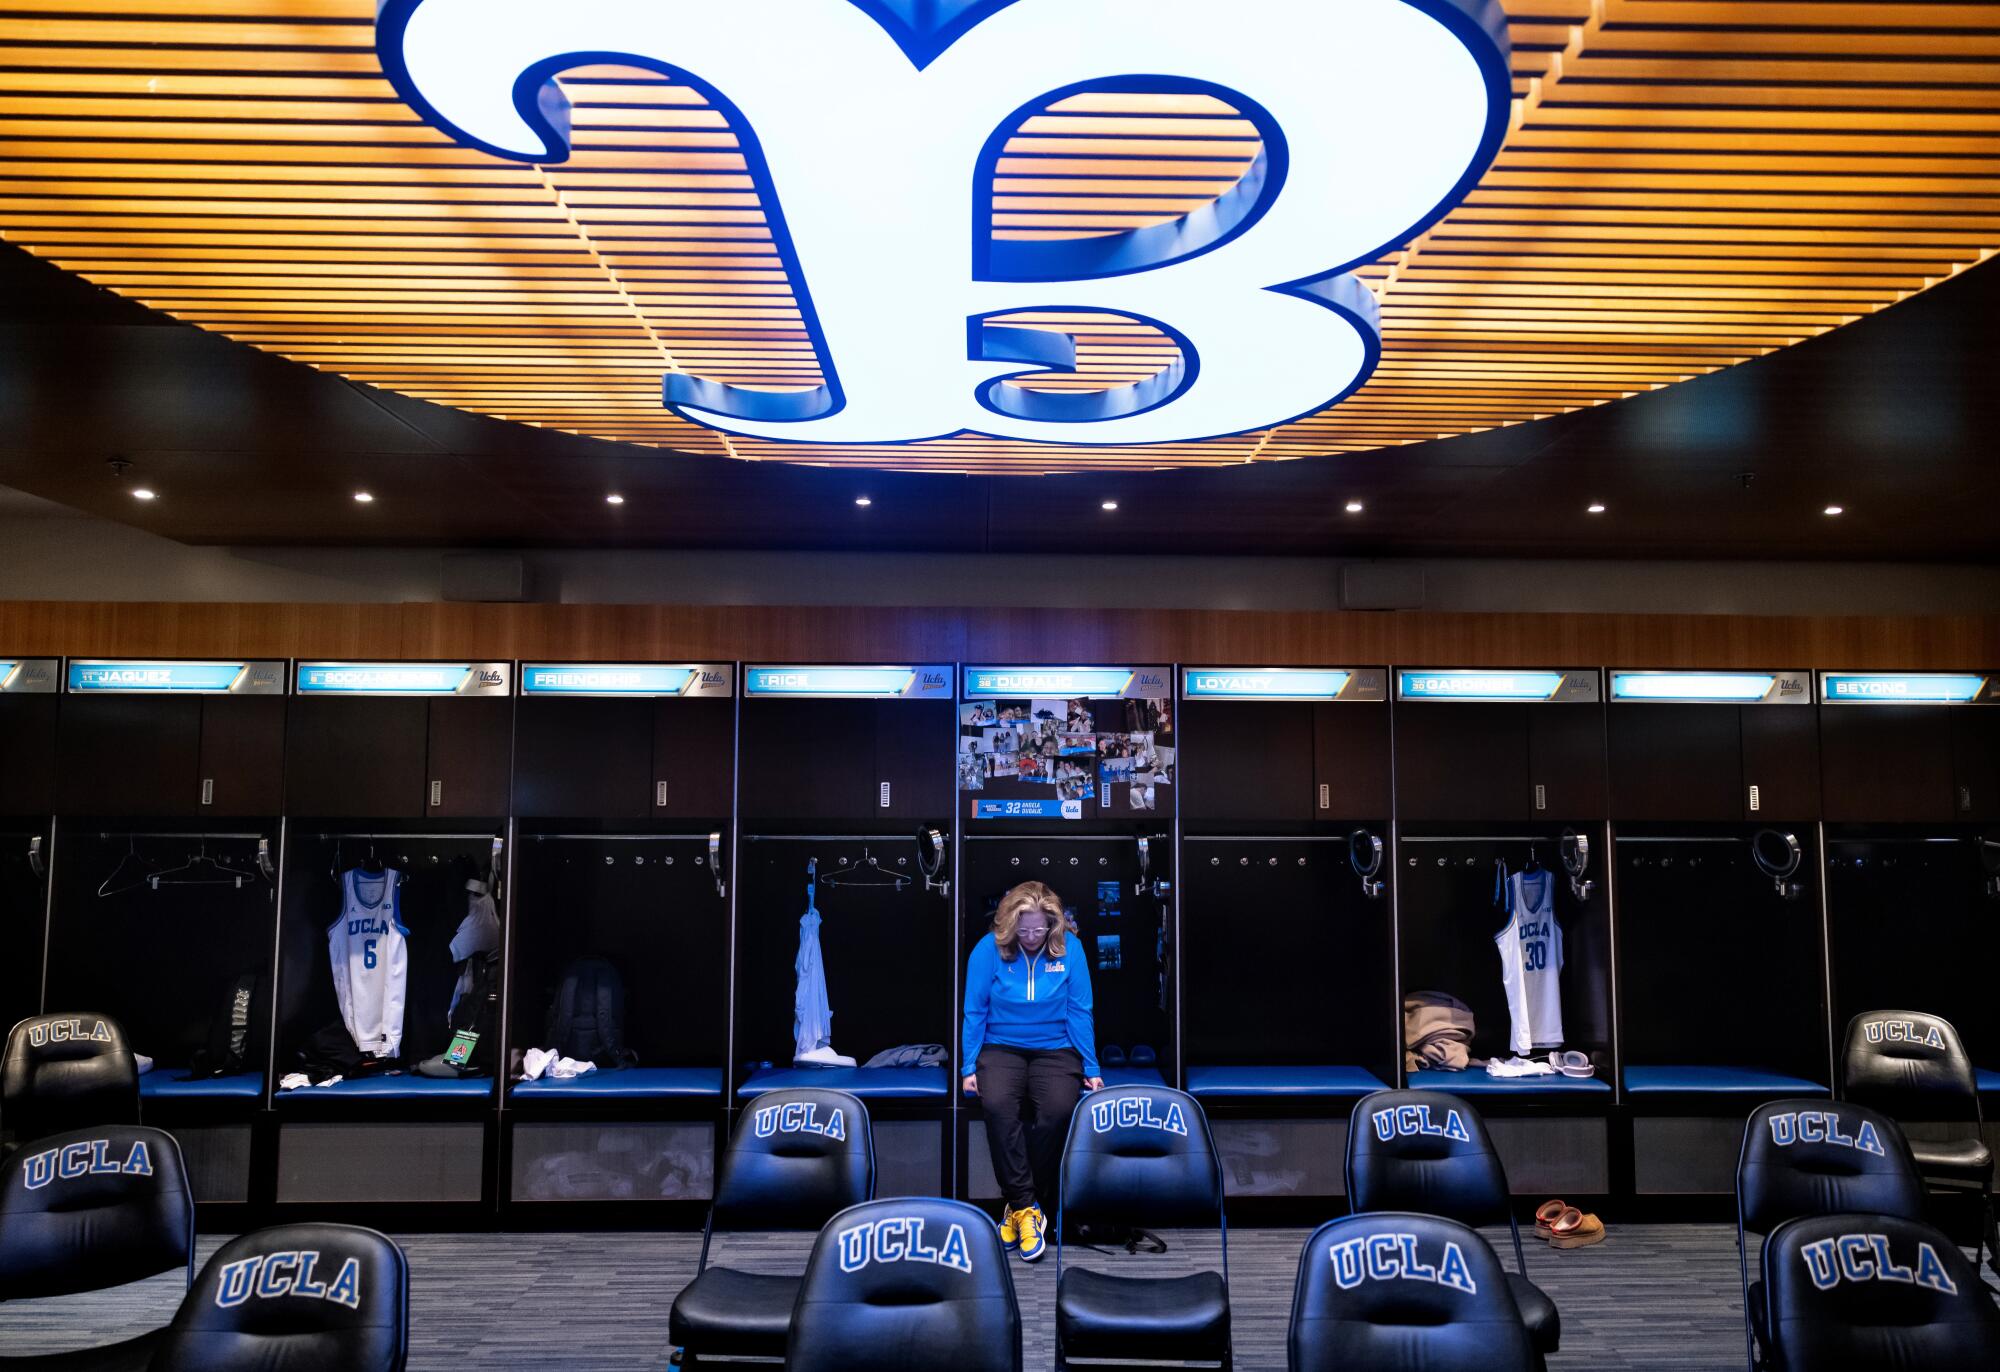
[1009,1235]
[1029,1225]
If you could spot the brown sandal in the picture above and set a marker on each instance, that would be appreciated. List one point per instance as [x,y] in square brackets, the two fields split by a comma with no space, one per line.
[1546,1215]
[1574,1229]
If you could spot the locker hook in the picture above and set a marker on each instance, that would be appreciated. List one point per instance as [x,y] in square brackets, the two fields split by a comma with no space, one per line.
[35,863]
[1989,857]
[715,864]
[1575,850]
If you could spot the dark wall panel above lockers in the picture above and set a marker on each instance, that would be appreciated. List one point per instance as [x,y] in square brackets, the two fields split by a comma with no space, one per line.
[1712,747]
[821,744]
[399,740]
[625,741]
[28,712]
[1489,745]
[171,738]
[1912,748]
[1283,745]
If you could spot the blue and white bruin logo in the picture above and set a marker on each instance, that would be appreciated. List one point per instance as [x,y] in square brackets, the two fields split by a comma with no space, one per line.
[1822,1126]
[1865,1257]
[874,138]
[68,1031]
[271,1275]
[1413,1121]
[799,1117]
[1137,1112]
[902,1238]
[1902,1031]
[84,1158]
[1393,1257]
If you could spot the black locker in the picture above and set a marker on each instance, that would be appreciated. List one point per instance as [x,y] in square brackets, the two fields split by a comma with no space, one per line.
[809,759]
[1565,761]
[1975,737]
[913,753]
[357,756]
[1462,761]
[1350,761]
[1280,734]
[242,761]
[1887,763]
[694,759]
[28,743]
[129,755]
[471,757]
[1671,762]
[576,757]
[1781,759]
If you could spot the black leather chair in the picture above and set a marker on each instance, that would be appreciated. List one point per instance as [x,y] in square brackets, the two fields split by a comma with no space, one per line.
[906,1285]
[1913,1067]
[1396,1292]
[1428,1152]
[1811,1157]
[797,1158]
[1141,1157]
[64,1072]
[1850,1292]
[90,1210]
[304,1297]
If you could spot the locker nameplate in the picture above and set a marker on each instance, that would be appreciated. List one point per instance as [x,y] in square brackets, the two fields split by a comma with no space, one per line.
[405,678]
[1069,683]
[628,679]
[132,676]
[878,683]
[1527,685]
[1284,683]
[1713,688]
[28,676]
[1909,688]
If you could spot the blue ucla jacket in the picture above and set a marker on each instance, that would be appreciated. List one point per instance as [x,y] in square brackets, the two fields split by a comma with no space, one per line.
[1040,1002]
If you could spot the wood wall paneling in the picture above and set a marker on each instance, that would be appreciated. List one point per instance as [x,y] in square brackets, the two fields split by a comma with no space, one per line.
[870,633]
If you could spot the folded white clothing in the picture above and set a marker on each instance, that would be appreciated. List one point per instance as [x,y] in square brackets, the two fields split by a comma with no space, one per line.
[536,1061]
[1518,1066]
[331,1081]
[145,1063]
[564,1068]
[821,1057]
[292,1081]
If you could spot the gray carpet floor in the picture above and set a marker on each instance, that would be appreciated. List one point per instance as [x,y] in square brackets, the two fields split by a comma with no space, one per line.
[1650,1297]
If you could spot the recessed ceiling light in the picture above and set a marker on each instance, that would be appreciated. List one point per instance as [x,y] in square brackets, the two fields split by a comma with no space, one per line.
[141,493]
[1110,505]
[614,500]
[1354,507]
[1835,509]
[363,498]
[863,501]
[1595,507]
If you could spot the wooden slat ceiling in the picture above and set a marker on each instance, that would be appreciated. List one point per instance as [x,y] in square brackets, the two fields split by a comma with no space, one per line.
[1684,186]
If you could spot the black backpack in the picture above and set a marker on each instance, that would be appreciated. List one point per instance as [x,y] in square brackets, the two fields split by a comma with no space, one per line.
[232,1028]
[587,1015]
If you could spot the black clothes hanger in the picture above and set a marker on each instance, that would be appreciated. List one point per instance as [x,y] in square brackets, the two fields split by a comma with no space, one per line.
[867,872]
[120,880]
[201,870]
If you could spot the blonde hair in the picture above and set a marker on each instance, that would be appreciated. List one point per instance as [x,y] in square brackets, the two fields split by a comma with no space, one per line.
[1029,895]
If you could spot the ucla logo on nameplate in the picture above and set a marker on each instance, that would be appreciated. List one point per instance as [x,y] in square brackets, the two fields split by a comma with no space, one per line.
[886,239]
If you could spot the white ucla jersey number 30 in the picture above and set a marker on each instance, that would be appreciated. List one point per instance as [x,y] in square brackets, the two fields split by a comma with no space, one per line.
[873,147]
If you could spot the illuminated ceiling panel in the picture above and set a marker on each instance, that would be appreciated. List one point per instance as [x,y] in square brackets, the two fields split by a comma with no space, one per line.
[1682,186]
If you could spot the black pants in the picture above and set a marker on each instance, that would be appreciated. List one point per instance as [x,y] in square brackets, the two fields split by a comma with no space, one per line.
[1027,1095]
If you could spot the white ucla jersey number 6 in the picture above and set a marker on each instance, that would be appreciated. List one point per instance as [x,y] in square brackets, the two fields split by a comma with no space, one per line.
[873,137]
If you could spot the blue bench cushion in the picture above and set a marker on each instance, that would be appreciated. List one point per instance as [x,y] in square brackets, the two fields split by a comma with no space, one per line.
[1989,1080]
[164,1083]
[1282,1081]
[1717,1081]
[402,1086]
[872,1083]
[626,1083]
[1475,1082]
